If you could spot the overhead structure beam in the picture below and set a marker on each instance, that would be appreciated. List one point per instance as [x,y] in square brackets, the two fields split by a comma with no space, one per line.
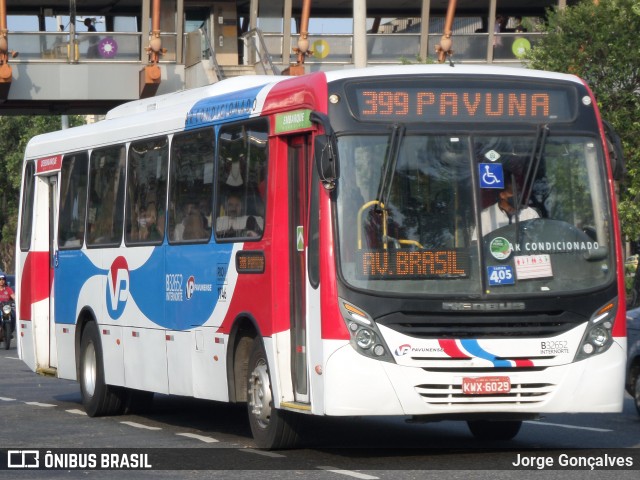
[302,50]
[150,75]
[6,75]
[444,49]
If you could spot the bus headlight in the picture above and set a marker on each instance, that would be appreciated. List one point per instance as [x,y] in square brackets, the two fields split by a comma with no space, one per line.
[598,337]
[365,336]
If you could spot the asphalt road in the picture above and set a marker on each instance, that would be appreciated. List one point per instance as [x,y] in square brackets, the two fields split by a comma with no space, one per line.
[189,438]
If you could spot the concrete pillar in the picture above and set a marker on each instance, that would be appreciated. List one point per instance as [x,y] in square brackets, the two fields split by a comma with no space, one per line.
[286,33]
[146,28]
[492,23]
[424,29]
[360,33]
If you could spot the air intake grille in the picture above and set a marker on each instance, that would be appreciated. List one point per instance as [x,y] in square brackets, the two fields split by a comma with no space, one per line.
[520,394]
[497,325]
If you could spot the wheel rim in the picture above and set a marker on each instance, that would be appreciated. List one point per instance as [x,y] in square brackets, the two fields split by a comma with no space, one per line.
[637,395]
[260,394]
[89,370]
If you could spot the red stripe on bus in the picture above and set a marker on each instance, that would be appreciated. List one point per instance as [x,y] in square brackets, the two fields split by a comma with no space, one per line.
[451,348]
[35,282]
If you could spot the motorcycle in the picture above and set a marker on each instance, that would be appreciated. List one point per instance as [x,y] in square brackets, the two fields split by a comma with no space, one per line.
[6,309]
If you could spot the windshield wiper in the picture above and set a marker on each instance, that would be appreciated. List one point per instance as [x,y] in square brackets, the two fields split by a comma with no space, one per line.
[542,132]
[395,140]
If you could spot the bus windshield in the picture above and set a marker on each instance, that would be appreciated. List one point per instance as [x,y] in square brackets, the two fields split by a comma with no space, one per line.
[473,214]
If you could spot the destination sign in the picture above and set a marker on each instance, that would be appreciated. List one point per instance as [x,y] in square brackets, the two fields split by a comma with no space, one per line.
[446,103]
[421,264]
[48,164]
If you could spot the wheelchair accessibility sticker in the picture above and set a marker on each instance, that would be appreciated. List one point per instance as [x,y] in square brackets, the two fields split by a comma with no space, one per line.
[491,175]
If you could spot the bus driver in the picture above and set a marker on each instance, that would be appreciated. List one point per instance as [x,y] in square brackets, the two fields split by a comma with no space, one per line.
[504,211]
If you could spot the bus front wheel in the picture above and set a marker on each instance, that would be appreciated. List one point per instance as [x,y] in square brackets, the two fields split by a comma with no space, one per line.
[271,428]
[98,398]
[494,430]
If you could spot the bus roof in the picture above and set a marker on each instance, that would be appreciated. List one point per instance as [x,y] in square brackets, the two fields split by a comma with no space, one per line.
[446,69]
[167,113]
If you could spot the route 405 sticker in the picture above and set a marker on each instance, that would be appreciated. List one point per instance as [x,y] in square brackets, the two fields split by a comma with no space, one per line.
[500,275]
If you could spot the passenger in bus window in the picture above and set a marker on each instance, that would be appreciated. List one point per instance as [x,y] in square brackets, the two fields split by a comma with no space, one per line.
[148,223]
[194,226]
[234,223]
[234,169]
[503,212]
[205,209]
[178,231]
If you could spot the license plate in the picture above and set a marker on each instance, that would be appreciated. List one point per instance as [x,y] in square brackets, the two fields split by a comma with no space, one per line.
[486,385]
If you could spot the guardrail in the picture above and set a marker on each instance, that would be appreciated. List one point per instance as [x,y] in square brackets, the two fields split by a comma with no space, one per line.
[397,47]
[266,49]
[86,47]
[256,52]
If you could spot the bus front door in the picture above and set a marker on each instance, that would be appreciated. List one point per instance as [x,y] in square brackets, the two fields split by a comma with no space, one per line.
[44,329]
[53,218]
[298,153]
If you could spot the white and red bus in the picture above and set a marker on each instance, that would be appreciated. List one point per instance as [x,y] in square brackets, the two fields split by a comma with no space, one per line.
[333,245]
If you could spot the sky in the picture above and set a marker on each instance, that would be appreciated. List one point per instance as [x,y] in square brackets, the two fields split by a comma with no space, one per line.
[30,24]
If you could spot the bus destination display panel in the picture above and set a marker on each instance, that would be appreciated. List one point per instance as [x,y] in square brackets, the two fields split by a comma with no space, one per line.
[435,102]
[387,264]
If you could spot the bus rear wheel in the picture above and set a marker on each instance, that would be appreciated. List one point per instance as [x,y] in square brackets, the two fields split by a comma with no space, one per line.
[98,398]
[271,428]
[494,430]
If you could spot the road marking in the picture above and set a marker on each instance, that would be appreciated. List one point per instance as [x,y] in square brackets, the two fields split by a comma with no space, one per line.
[139,425]
[350,473]
[263,453]
[7,399]
[76,411]
[13,358]
[591,429]
[198,437]
[38,404]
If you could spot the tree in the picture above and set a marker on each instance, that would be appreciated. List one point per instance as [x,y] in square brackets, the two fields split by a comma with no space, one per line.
[15,133]
[599,42]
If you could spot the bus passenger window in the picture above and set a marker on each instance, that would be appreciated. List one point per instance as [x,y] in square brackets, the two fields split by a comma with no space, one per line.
[191,188]
[147,191]
[73,203]
[242,180]
[106,196]
[28,200]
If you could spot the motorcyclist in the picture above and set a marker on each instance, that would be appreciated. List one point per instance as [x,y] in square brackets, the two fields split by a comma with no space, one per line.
[7,295]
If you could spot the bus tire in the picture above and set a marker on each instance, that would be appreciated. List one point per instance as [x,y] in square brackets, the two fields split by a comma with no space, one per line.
[271,428]
[137,401]
[7,335]
[98,398]
[494,430]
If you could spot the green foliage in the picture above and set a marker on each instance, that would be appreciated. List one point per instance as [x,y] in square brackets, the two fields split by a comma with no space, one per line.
[600,43]
[419,59]
[15,133]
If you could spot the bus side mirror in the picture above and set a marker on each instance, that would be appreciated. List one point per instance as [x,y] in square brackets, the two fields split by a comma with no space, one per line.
[326,151]
[614,145]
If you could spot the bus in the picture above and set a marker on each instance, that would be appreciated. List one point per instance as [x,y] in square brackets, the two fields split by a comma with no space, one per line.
[425,241]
